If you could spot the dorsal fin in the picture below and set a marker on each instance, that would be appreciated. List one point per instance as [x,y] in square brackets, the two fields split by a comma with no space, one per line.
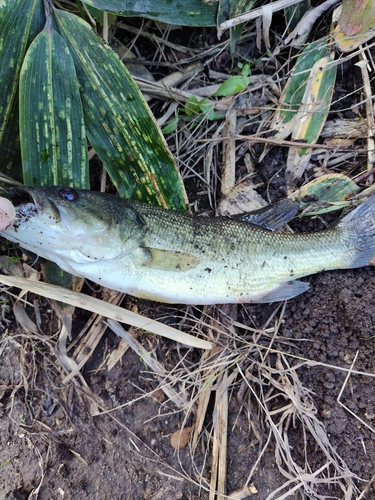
[273,216]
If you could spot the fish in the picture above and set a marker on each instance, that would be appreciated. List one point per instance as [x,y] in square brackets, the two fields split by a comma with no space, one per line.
[175,257]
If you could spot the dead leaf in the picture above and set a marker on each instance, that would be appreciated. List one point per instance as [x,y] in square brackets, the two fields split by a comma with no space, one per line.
[241,198]
[248,491]
[181,438]
[23,318]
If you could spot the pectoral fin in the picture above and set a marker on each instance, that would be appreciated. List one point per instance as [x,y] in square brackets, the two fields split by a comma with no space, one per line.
[169,260]
[285,291]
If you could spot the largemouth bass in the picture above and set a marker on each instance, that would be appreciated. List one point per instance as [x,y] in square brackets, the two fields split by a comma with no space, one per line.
[175,257]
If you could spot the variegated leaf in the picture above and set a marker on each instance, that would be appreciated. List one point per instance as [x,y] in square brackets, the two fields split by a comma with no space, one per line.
[119,123]
[191,13]
[53,142]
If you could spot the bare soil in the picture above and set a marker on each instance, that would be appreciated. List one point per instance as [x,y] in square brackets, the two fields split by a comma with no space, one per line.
[51,445]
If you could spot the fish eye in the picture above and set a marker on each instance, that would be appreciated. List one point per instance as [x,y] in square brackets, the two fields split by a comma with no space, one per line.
[68,194]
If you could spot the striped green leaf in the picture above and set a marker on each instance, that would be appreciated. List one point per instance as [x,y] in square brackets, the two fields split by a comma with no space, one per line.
[10,151]
[295,88]
[332,192]
[311,117]
[119,124]
[52,131]
[294,13]
[316,102]
[191,13]
[18,21]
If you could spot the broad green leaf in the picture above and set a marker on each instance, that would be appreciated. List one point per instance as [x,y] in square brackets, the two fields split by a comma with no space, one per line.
[331,192]
[10,151]
[16,24]
[37,22]
[52,131]
[119,124]
[311,117]
[233,85]
[295,88]
[191,13]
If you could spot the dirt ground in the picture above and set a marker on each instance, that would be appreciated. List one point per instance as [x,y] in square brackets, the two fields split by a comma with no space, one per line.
[300,386]
[52,448]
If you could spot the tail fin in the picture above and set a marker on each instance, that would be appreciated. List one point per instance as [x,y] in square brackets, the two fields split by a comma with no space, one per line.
[360,226]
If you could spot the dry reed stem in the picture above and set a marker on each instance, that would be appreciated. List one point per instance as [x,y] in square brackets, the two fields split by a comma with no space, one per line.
[98,306]
[92,333]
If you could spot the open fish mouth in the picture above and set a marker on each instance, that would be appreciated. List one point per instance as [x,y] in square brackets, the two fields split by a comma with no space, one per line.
[25,196]
[31,202]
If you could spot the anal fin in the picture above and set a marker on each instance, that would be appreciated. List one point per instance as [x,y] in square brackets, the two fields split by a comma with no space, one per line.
[285,291]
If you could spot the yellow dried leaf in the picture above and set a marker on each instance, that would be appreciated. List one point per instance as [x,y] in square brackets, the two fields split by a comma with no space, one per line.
[181,438]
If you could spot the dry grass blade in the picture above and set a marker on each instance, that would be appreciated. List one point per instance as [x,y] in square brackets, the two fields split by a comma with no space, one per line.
[341,392]
[23,318]
[255,13]
[91,334]
[109,310]
[229,153]
[207,379]
[244,493]
[117,354]
[178,398]
[300,406]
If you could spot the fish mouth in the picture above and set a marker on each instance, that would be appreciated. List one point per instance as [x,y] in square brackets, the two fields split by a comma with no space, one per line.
[32,201]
